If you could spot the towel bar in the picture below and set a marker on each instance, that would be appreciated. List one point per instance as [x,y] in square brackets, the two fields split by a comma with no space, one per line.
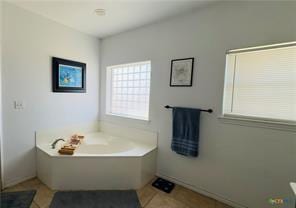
[209,110]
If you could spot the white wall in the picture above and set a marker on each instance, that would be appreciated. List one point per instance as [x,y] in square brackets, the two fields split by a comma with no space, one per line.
[29,43]
[246,165]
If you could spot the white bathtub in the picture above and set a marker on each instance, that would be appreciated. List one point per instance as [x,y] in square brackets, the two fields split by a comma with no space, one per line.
[102,161]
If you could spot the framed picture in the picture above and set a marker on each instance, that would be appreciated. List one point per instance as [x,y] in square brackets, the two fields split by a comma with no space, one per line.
[68,76]
[181,72]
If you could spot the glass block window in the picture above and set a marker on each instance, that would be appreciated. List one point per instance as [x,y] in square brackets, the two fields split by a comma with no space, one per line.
[128,90]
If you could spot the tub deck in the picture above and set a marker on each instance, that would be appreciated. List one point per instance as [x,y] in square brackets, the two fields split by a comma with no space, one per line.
[103,145]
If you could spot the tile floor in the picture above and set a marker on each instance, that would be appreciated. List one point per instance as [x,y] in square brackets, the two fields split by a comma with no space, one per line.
[149,197]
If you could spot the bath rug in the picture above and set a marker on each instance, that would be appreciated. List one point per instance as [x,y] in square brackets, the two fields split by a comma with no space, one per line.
[20,199]
[95,199]
[163,185]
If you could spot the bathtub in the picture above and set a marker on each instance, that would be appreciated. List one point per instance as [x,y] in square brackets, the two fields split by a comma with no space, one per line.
[110,157]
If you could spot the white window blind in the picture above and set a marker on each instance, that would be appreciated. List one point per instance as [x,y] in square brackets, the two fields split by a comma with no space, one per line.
[261,83]
[128,90]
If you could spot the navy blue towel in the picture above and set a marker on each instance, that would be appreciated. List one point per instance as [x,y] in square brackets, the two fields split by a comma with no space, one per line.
[185,131]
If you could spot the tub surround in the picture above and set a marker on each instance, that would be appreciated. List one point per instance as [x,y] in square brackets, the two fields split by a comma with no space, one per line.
[93,164]
[101,144]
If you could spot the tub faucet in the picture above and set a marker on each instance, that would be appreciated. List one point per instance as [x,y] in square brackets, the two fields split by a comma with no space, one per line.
[55,142]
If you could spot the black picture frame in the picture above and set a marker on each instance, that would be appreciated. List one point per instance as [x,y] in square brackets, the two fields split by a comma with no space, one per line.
[56,86]
[174,61]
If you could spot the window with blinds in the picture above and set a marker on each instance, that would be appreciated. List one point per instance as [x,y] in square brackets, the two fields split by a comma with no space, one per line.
[261,83]
[128,90]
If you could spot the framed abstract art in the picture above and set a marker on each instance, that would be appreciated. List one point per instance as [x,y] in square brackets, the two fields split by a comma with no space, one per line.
[181,72]
[68,76]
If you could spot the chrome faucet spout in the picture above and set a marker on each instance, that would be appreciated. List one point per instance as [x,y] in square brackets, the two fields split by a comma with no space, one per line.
[53,145]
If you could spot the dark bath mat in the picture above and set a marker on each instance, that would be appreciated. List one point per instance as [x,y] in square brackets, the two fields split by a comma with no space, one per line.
[163,185]
[95,199]
[20,199]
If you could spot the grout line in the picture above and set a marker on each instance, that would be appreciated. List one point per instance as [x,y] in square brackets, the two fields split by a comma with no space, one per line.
[150,200]
[36,204]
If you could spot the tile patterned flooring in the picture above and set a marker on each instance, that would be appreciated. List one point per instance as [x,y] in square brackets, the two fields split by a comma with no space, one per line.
[149,197]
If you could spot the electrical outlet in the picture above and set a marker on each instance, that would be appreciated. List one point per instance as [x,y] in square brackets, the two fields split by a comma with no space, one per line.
[18,105]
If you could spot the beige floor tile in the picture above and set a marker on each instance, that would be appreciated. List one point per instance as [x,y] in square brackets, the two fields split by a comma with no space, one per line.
[43,196]
[164,201]
[193,199]
[33,183]
[17,187]
[145,194]
[33,205]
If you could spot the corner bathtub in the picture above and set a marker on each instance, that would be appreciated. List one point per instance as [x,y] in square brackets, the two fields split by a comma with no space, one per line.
[102,161]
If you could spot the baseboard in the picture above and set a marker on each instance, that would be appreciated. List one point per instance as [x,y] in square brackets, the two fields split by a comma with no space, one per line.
[202,191]
[16,181]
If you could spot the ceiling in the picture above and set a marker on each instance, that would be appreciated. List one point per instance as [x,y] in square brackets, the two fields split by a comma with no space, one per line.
[121,15]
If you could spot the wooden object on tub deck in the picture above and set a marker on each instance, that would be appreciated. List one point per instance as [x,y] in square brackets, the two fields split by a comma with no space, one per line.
[66,151]
[75,141]
[69,149]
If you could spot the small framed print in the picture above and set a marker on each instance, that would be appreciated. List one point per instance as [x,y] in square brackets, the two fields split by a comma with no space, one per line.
[68,76]
[181,72]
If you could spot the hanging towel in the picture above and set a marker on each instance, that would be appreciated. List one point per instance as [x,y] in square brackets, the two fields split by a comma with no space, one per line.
[185,131]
